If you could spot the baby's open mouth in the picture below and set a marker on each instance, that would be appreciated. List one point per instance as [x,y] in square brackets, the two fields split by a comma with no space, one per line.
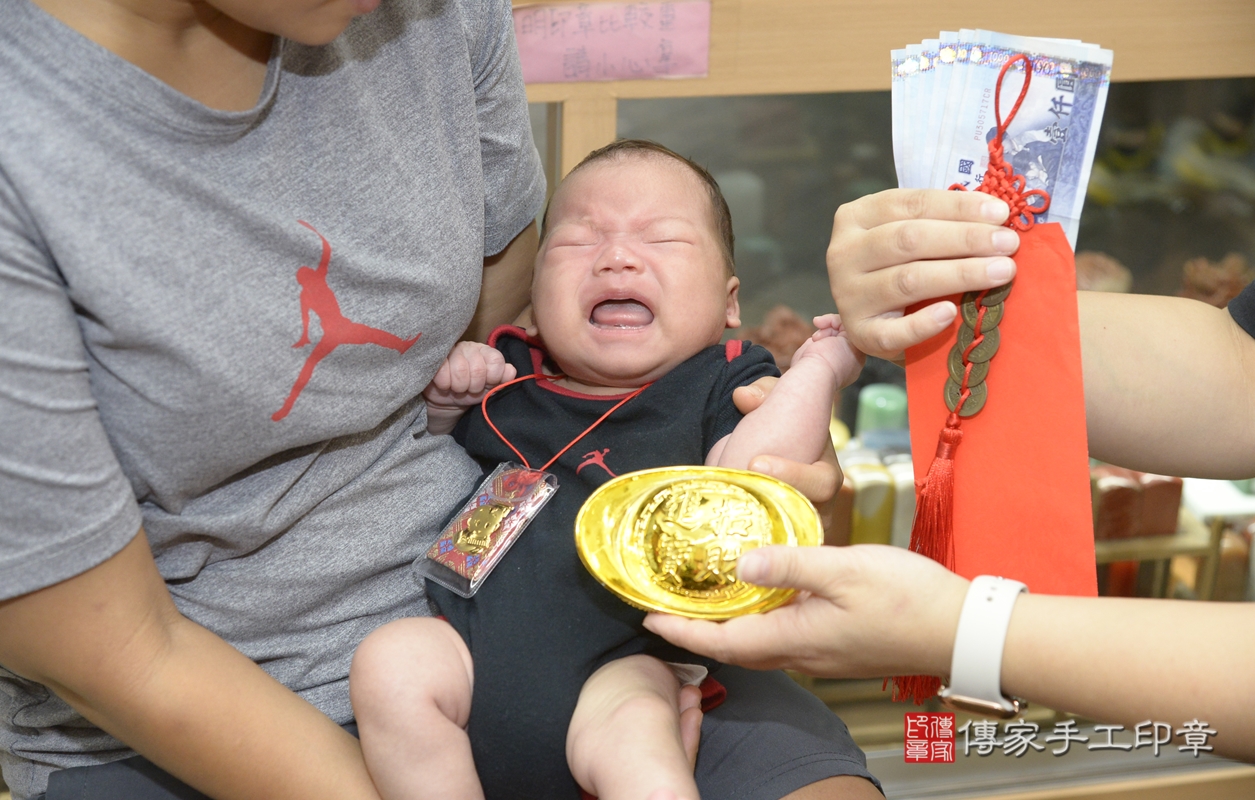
[621,314]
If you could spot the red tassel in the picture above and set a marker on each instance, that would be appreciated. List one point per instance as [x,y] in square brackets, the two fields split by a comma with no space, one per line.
[913,687]
[932,535]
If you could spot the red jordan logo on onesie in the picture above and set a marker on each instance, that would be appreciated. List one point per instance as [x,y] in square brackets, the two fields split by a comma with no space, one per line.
[337,329]
[597,457]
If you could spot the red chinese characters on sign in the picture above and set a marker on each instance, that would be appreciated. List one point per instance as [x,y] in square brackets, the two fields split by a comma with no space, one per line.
[929,738]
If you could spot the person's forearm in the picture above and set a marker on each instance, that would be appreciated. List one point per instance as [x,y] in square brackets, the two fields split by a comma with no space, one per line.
[1168,385]
[1127,661]
[111,644]
[791,423]
[879,610]
[211,717]
[507,286]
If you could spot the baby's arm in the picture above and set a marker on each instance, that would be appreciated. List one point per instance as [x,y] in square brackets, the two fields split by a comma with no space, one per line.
[793,421]
[471,369]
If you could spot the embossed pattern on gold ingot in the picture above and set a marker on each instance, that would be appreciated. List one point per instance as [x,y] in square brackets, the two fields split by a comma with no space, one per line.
[669,539]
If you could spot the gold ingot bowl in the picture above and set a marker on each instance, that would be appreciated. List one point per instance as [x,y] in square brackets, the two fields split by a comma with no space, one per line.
[668,539]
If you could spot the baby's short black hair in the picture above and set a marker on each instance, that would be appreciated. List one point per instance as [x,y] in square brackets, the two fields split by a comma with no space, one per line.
[624,148]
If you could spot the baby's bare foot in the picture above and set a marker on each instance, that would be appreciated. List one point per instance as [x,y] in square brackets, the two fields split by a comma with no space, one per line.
[833,348]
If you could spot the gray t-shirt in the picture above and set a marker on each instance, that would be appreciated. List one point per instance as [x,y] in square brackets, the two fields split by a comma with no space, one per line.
[217,325]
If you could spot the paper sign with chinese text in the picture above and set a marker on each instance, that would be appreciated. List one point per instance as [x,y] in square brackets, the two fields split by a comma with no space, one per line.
[613,41]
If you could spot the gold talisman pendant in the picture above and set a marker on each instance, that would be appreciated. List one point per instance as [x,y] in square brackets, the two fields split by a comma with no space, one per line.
[482,524]
[669,539]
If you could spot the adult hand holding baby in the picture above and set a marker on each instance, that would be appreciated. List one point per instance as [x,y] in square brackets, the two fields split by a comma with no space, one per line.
[818,481]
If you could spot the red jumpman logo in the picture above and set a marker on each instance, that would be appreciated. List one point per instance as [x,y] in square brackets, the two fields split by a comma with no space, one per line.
[337,329]
[596,457]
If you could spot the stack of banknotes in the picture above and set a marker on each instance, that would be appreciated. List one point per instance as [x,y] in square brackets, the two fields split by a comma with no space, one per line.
[943,114]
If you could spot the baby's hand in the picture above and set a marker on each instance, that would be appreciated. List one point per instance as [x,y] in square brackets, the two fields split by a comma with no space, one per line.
[464,378]
[831,343]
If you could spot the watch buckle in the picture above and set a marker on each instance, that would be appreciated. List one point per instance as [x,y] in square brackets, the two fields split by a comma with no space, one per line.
[984,708]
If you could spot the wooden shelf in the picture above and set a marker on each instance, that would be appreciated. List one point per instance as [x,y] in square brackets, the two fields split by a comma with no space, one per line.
[1193,538]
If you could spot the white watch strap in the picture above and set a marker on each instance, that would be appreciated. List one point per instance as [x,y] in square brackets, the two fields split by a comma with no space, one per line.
[976,667]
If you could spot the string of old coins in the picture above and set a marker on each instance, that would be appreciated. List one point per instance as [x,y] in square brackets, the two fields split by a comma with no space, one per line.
[965,389]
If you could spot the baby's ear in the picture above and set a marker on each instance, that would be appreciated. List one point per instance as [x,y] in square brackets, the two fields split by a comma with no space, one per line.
[733,319]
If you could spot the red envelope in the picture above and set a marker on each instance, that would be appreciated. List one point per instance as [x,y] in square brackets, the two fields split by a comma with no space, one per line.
[1021,473]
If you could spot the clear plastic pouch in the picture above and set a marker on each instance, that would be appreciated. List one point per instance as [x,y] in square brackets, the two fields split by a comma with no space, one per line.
[483,530]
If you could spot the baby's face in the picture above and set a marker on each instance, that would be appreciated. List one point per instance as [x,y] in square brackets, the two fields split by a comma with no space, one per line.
[630,280]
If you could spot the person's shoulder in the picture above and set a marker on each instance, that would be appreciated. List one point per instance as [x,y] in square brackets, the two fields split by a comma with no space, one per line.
[29,71]
[23,21]
[481,19]
[478,13]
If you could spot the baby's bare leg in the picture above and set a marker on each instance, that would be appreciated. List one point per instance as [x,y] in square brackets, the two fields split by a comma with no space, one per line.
[410,684]
[624,742]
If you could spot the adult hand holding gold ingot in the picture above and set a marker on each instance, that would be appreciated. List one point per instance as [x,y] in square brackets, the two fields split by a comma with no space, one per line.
[669,539]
